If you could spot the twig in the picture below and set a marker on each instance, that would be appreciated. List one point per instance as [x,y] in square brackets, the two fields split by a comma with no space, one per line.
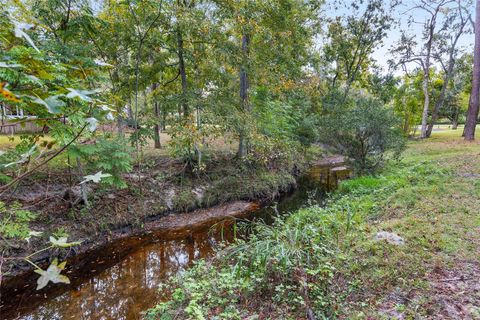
[456,279]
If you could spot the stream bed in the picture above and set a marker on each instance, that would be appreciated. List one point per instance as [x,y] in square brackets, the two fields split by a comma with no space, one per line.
[123,281]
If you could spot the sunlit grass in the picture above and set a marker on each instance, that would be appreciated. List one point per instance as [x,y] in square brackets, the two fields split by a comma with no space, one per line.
[9,141]
[435,213]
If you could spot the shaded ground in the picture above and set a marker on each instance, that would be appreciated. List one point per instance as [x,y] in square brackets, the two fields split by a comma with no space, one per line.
[453,293]
[156,192]
[456,291]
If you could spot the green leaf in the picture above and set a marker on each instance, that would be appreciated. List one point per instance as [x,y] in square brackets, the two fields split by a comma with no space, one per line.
[33,233]
[6,65]
[53,103]
[101,63]
[34,79]
[92,124]
[19,33]
[24,157]
[53,274]
[82,94]
[62,242]
[95,177]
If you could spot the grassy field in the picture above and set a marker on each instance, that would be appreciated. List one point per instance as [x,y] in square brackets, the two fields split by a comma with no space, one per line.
[8,141]
[430,199]
[435,274]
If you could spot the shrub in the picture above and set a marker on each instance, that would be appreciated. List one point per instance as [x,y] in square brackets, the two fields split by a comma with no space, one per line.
[272,153]
[110,155]
[364,133]
[285,120]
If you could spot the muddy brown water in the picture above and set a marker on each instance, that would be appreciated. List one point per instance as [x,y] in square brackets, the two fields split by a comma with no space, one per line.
[122,280]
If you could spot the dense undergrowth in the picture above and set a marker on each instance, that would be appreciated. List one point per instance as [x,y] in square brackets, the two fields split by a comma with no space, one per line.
[323,262]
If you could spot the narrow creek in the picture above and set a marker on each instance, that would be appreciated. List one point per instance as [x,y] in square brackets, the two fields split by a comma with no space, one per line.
[122,283]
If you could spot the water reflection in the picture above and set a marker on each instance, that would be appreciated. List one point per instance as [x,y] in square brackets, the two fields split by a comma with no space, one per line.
[131,286]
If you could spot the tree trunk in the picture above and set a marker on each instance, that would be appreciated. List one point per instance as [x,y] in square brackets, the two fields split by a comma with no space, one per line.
[426,94]
[129,109]
[183,73]
[426,104]
[156,129]
[119,119]
[135,110]
[426,79]
[158,145]
[472,113]
[406,125]
[447,77]
[455,122]
[164,120]
[199,121]
[244,85]
[145,104]
[83,187]
[439,102]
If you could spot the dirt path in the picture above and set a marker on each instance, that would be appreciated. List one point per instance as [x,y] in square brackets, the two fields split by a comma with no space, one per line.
[456,291]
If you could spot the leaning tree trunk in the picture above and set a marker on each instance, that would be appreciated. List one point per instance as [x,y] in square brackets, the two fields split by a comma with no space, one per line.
[242,147]
[472,113]
[426,83]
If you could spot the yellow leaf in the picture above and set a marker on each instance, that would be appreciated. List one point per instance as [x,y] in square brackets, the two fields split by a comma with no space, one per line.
[7,94]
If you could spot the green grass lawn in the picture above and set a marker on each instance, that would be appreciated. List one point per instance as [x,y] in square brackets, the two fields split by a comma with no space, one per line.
[439,217]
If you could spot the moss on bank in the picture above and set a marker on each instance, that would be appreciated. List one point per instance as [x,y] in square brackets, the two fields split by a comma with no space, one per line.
[324,262]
